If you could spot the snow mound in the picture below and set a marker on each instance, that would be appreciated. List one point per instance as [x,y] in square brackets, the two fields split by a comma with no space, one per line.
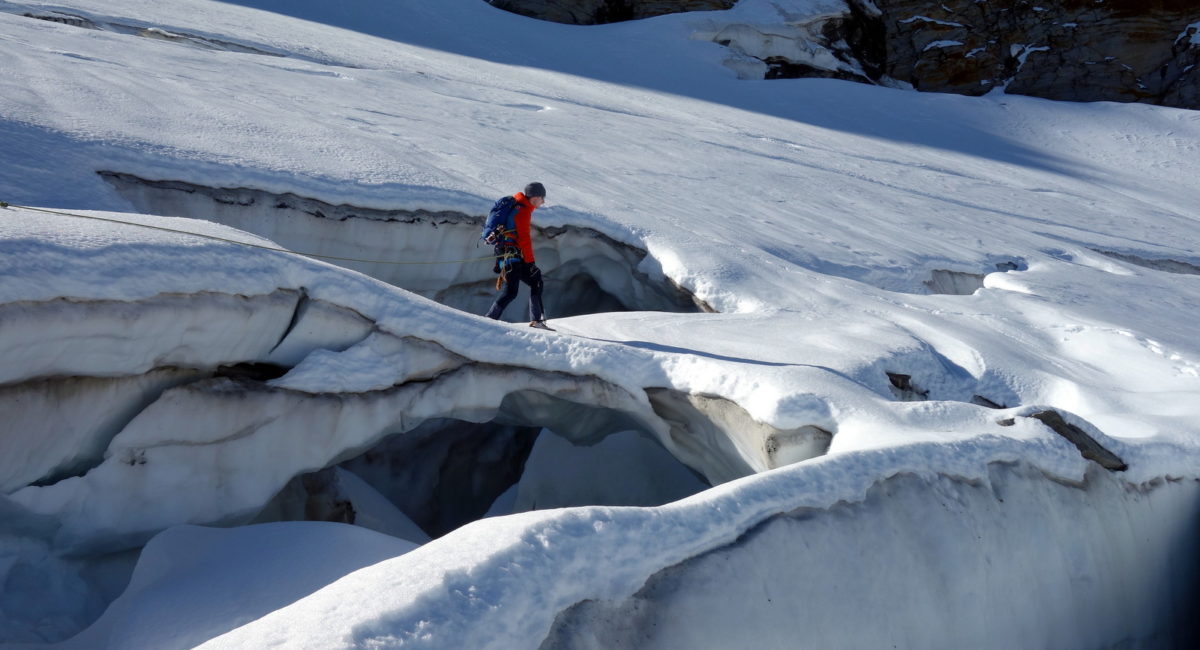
[228,577]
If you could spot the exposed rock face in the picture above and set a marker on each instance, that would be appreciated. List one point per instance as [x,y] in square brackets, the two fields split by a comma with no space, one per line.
[595,12]
[1076,50]
[1080,50]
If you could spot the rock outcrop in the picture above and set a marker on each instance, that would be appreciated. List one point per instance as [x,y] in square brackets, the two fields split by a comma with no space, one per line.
[1075,50]
[1078,50]
[595,12]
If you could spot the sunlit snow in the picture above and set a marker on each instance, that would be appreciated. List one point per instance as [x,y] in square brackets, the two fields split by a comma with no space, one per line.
[812,339]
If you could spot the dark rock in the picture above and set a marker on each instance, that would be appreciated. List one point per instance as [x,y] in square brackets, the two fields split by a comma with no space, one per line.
[595,12]
[1078,50]
[983,401]
[324,502]
[1087,445]
[904,389]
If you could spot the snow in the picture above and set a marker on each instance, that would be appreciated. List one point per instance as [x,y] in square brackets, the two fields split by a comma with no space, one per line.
[940,44]
[375,363]
[927,19]
[1037,255]
[484,592]
[1191,32]
[756,32]
[1022,52]
[923,560]
[229,577]
[623,469]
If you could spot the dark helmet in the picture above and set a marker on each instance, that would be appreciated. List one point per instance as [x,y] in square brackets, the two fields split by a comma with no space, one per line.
[535,189]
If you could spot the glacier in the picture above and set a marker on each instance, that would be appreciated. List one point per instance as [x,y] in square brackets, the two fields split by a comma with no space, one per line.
[835,364]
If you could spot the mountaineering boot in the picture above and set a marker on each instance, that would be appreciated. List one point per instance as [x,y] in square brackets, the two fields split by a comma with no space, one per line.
[541,325]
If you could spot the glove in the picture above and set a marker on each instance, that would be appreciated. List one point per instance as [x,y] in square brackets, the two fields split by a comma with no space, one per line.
[534,270]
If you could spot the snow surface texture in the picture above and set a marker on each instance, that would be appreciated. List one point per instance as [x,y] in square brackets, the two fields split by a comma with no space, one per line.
[230,577]
[902,282]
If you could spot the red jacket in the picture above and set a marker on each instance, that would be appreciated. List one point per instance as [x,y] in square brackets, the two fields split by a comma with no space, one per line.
[522,220]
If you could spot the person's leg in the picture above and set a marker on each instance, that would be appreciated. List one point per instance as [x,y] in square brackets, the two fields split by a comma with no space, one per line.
[515,272]
[534,280]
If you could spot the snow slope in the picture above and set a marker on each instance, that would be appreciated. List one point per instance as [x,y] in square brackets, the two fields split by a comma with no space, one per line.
[229,577]
[1002,251]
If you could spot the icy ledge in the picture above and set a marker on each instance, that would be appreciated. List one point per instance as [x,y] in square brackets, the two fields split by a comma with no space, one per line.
[301,392]
[992,552]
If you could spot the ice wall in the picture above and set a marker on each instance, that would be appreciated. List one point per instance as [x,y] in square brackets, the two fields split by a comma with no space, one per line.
[135,402]
[873,549]
[435,253]
[1018,560]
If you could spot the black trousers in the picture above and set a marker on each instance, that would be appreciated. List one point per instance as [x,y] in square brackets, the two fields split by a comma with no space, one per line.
[519,272]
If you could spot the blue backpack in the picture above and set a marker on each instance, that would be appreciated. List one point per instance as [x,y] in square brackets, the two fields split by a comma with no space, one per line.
[500,229]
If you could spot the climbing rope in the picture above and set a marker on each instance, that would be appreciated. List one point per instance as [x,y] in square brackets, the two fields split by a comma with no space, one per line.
[4,204]
[508,254]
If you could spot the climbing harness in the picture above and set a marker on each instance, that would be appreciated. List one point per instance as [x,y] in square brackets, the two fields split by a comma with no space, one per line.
[505,260]
[504,243]
[5,205]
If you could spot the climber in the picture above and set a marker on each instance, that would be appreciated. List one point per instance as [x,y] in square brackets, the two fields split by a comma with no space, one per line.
[519,264]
